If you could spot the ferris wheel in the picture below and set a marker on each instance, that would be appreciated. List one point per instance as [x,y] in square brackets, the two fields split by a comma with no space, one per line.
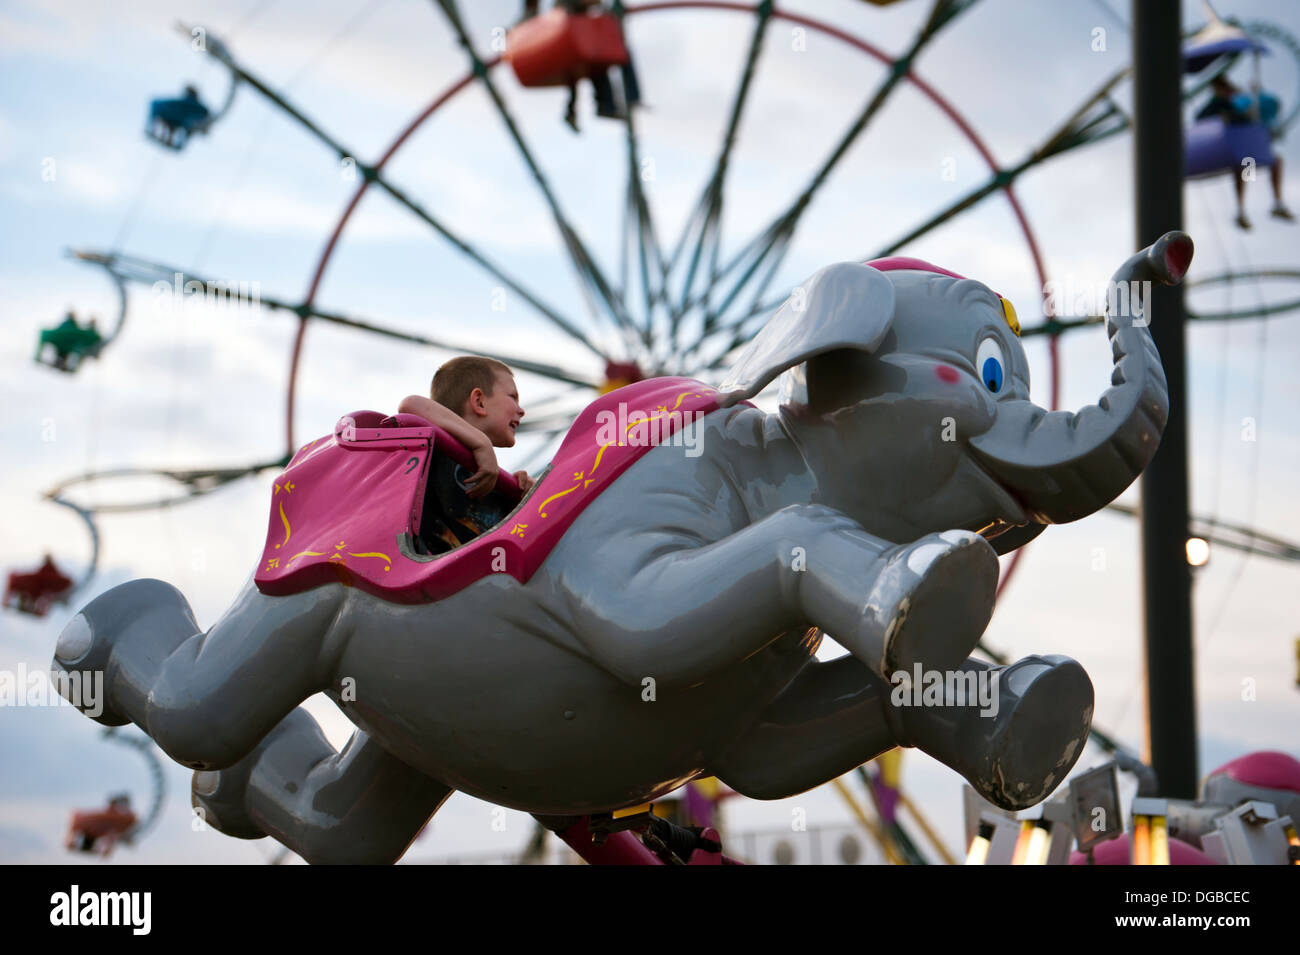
[648,305]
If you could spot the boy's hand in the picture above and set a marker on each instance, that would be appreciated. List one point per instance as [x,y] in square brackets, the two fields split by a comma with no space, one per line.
[524,481]
[485,478]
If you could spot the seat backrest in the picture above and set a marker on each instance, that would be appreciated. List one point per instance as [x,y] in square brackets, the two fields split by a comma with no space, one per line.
[445,443]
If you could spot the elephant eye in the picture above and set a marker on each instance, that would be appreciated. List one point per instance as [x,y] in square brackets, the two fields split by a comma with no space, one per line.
[989,361]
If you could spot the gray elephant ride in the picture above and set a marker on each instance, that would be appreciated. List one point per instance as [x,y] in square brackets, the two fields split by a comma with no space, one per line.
[650,611]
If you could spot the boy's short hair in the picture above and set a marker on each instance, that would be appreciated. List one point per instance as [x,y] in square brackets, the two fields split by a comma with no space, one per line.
[456,380]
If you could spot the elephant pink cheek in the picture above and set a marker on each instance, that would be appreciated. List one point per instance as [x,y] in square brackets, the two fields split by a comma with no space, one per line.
[947,373]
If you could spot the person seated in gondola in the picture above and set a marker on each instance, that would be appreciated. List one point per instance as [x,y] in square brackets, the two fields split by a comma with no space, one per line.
[475,400]
[100,830]
[172,121]
[35,592]
[71,343]
[1237,109]
[607,104]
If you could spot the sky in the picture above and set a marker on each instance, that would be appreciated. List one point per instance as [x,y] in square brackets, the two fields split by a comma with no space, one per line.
[255,200]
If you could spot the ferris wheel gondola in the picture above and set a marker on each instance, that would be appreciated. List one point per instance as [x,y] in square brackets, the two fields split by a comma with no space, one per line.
[100,830]
[172,121]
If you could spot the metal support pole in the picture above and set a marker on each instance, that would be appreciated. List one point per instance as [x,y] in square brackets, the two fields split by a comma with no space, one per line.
[1167,578]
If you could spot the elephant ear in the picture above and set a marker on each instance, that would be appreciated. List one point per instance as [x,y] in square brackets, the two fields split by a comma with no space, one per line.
[845,305]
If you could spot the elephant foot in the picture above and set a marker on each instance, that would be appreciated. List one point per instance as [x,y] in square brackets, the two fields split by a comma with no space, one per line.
[1015,737]
[933,600]
[361,806]
[220,798]
[113,650]
[285,757]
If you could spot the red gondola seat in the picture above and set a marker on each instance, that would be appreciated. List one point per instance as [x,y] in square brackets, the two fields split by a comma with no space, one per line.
[35,592]
[559,48]
[99,830]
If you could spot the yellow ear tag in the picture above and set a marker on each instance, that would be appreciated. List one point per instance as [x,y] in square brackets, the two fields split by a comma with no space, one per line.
[1009,311]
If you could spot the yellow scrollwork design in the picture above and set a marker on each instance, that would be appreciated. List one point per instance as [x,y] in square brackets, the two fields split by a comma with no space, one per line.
[585,479]
[338,556]
[287,531]
[541,508]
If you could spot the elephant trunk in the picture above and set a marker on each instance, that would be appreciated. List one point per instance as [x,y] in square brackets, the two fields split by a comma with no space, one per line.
[1063,465]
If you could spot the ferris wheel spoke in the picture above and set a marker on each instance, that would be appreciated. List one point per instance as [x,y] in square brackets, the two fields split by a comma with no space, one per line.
[705,222]
[1093,121]
[737,325]
[559,400]
[495,270]
[133,269]
[541,451]
[588,270]
[1097,118]
[712,326]
[639,228]
[518,362]
[783,226]
[372,174]
[647,239]
[552,421]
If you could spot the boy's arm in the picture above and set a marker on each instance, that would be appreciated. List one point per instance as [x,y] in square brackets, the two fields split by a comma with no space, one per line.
[485,478]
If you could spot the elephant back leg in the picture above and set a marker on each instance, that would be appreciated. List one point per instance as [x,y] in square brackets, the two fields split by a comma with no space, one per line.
[360,806]
[828,721]
[205,698]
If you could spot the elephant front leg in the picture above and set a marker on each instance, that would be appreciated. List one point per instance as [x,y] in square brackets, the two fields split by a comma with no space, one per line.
[361,806]
[892,606]
[1012,731]
[896,607]
[205,698]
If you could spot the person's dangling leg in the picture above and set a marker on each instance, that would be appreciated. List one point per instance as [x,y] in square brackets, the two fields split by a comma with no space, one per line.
[571,110]
[606,104]
[1280,211]
[1241,201]
[631,88]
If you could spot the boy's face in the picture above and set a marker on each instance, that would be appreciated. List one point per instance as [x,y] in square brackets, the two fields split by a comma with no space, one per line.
[497,415]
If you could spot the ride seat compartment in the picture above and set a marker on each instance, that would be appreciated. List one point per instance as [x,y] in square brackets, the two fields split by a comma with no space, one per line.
[1214,146]
[558,48]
